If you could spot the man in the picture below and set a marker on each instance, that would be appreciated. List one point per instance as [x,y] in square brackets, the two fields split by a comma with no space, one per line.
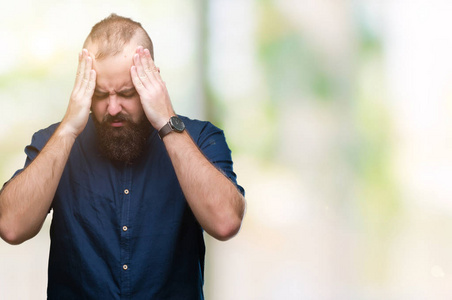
[132,185]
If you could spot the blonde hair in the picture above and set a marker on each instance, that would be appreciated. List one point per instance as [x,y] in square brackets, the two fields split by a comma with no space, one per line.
[113,33]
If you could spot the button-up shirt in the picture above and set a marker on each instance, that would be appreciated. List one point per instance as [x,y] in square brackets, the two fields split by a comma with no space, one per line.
[125,231]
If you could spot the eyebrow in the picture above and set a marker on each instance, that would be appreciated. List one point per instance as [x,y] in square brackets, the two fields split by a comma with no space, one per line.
[96,90]
[124,91]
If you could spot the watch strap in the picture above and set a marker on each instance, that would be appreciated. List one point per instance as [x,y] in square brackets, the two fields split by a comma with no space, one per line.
[165,130]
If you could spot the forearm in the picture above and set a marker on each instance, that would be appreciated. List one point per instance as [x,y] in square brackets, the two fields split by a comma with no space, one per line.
[214,199]
[26,199]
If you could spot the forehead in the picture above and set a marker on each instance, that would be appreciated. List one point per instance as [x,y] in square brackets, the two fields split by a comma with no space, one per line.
[113,72]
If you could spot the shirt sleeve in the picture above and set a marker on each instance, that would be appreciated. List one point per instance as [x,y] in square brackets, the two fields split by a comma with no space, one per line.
[38,142]
[212,143]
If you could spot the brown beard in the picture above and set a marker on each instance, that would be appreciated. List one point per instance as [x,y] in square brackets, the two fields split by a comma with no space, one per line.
[122,144]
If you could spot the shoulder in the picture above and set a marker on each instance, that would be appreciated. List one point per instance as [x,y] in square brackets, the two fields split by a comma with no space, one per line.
[41,137]
[200,129]
[210,139]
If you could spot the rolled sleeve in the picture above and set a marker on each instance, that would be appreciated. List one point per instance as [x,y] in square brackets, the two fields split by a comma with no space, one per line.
[212,143]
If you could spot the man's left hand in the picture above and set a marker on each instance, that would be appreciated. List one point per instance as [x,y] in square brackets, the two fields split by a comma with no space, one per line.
[151,88]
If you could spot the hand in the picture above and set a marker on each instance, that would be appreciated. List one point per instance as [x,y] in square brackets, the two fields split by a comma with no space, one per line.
[151,88]
[78,109]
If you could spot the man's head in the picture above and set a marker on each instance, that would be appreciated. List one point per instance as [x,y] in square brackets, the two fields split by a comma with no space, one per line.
[121,124]
[112,34]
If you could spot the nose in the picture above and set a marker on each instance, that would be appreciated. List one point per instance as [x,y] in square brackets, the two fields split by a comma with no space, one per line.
[114,106]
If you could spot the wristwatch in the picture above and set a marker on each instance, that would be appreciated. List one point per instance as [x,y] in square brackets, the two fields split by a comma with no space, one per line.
[174,124]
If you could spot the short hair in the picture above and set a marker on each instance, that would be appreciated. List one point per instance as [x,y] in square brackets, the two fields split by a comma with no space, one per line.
[113,33]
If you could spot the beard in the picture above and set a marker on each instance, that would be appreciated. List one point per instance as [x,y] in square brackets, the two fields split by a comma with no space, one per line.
[122,144]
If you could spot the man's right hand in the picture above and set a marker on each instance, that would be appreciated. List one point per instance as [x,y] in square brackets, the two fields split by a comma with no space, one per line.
[26,199]
[78,109]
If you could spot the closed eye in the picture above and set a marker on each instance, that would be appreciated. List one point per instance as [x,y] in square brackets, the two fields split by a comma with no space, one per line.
[100,95]
[128,94]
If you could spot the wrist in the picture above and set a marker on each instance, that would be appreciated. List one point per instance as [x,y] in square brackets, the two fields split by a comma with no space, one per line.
[158,120]
[66,131]
[174,124]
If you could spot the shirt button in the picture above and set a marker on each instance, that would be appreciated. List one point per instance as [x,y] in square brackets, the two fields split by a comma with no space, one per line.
[125,267]
[124,228]
[126,191]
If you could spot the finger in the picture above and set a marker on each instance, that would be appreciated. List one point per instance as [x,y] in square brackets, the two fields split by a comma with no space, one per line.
[86,72]
[82,67]
[89,91]
[80,70]
[149,65]
[145,78]
[136,80]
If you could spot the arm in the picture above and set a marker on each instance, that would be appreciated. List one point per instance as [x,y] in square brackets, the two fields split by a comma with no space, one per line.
[26,199]
[215,201]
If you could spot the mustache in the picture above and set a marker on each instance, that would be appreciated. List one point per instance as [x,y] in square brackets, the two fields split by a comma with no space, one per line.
[117,118]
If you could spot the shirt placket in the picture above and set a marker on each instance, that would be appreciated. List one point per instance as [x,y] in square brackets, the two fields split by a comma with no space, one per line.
[125,266]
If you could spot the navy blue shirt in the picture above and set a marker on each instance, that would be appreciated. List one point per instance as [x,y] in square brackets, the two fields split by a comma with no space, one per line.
[125,231]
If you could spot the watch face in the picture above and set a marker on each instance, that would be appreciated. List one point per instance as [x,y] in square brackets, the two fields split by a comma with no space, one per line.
[177,124]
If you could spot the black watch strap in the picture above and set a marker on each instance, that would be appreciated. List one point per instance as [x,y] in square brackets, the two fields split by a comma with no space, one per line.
[165,130]
[174,124]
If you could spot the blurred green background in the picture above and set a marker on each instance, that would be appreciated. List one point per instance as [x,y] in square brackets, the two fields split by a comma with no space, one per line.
[338,114]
